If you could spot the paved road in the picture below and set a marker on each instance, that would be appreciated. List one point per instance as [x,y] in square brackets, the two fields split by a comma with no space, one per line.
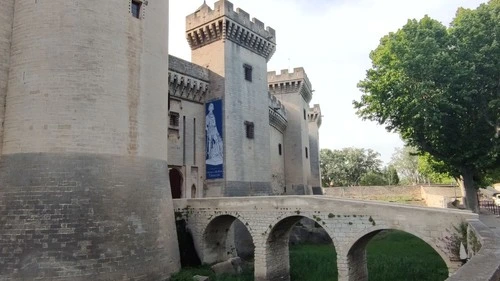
[492,221]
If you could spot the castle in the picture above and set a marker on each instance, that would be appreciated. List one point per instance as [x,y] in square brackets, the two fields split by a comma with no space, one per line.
[91,100]
[236,129]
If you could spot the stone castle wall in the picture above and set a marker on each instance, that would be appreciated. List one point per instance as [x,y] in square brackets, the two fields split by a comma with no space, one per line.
[293,90]
[277,162]
[243,101]
[6,19]
[314,157]
[246,101]
[84,188]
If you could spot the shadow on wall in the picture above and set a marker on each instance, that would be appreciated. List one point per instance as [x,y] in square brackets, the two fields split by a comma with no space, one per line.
[189,257]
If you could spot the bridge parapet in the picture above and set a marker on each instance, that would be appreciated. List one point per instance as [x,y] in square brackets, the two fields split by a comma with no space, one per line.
[350,224]
[485,264]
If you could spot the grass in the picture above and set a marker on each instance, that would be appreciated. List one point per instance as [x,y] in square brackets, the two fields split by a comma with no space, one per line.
[313,262]
[392,256]
[396,255]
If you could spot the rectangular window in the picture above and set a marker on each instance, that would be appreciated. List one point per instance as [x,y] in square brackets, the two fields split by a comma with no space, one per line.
[135,9]
[304,114]
[174,119]
[307,153]
[249,129]
[248,72]
[279,148]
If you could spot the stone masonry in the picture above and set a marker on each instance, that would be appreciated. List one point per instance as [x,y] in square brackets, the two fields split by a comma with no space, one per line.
[226,41]
[350,224]
[315,118]
[84,187]
[294,90]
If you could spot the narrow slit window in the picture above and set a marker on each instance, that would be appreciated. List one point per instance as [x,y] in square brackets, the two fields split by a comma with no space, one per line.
[249,129]
[305,116]
[307,153]
[279,148]
[136,9]
[248,72]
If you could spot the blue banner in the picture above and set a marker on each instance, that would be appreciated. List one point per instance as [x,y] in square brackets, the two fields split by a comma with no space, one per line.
[214,145]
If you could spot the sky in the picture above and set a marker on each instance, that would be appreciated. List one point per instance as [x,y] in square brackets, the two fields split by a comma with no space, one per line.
[332,40]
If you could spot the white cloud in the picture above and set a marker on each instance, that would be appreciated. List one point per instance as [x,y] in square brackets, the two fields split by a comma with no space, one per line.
[332,41]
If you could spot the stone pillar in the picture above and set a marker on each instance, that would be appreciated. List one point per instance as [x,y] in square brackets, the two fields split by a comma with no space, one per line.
[272,263]
[358,268]
[84,186]
[342,266]
[356,259]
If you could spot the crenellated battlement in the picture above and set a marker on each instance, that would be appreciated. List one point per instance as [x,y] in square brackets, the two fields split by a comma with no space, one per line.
[222,8]
[290,82]
[314,114]
[208,25]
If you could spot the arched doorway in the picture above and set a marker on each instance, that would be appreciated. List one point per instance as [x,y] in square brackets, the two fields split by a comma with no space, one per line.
[176,181]
[193,191]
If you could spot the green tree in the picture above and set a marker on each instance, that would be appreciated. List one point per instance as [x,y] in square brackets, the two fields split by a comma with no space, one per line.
[439,88]
[326,166]
[391,175]
[405,161]
[373,178]
[346,166]
[436,171]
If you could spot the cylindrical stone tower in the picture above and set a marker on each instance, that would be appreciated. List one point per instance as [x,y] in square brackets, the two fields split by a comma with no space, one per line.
[6,17]
[84,186]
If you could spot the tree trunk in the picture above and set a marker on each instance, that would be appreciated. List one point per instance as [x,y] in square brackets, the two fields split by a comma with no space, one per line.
[460,182]
[470,190]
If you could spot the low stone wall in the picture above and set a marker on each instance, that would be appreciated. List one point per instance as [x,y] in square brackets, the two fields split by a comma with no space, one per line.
[410,194]
[430,196]
[440,197]
[485,265]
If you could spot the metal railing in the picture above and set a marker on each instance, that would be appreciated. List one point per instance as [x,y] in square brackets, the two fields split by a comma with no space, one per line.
[489,205]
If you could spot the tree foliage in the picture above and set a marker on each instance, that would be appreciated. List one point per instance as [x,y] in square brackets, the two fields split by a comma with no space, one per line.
[391,175]
[373,179]
[405,161]
[439,88]
[435,171]
[347,166]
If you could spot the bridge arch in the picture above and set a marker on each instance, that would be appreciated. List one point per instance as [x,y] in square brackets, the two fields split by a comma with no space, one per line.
[216,245]
[356,251]
[277,258]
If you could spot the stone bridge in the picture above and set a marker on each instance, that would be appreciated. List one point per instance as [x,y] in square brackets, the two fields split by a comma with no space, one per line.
[350,224]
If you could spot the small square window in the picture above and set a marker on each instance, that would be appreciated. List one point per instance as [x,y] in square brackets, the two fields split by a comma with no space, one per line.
[135,9]
[248,72]
[249,129]
[174,119]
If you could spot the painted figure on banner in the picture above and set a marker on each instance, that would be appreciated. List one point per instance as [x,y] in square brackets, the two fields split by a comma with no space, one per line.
[214,139]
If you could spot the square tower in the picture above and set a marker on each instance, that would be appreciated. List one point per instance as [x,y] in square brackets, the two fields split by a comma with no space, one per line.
[236,50]
[294,90]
